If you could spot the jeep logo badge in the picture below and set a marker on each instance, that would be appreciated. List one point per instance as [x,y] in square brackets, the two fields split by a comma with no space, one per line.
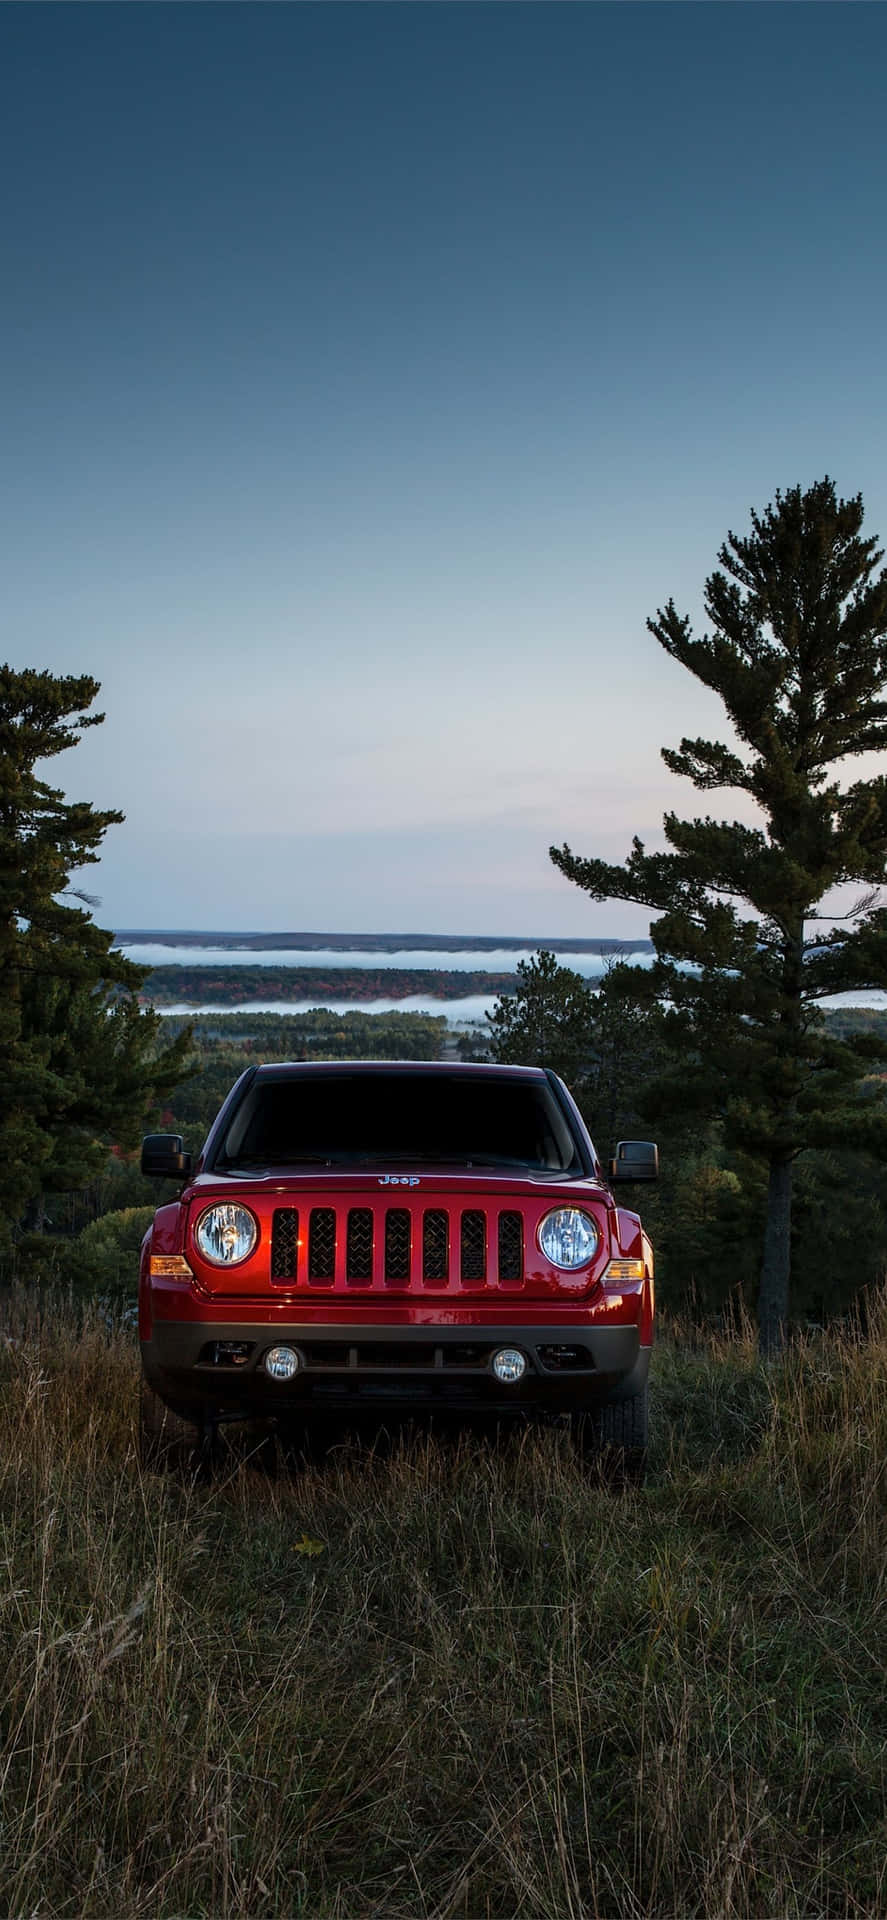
[398,1179]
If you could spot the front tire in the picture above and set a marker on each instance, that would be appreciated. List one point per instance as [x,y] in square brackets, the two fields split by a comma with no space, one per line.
[615,1434]
[166,1438]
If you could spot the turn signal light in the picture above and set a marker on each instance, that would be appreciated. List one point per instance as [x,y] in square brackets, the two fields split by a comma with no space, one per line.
[619,1271]
[169,1266]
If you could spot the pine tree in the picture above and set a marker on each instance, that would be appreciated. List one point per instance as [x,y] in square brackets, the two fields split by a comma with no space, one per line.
[798,655]
[79,1060]
[547,1022]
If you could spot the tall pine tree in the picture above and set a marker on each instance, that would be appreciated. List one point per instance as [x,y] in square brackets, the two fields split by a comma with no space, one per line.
[79,1061]
[746,943]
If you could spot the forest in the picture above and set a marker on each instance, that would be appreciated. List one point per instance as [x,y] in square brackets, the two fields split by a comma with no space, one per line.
[231,986]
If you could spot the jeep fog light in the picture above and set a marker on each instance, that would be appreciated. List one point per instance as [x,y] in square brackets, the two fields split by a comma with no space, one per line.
[509,1365]
[282,1363]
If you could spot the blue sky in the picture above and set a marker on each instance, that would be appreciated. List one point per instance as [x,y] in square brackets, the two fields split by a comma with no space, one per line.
[370,374]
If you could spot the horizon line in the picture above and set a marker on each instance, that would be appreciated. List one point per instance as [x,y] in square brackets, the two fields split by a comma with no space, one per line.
[305,940]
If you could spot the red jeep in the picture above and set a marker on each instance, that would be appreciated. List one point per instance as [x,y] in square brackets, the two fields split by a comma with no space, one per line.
[395,1237]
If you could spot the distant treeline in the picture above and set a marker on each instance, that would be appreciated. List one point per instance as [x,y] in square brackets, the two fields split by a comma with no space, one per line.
[374,942]
[230,986]
[320,1033]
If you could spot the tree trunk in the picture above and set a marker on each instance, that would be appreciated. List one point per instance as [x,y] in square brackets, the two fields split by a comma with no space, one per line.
[776,1264]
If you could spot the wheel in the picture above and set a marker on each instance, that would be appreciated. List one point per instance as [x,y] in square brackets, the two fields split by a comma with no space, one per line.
[614,1434]
[167,1439]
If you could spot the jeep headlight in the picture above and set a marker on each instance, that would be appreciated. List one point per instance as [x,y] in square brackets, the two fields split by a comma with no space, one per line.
[226,1234]
[569,1237]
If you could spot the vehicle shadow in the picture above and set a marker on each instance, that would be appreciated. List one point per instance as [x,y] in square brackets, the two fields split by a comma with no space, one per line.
[284,1450]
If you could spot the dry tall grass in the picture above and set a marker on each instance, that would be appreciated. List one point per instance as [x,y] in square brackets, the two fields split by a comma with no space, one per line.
[451,1680]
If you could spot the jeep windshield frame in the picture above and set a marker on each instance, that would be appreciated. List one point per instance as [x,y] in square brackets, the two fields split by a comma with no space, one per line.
[434,1120]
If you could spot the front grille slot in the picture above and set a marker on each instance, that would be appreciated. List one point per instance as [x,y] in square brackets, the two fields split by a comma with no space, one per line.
[359,1257]
[511,1246]
[284,1243]
[322,1244]
[435,1245]
[397,1244]
[474,1245]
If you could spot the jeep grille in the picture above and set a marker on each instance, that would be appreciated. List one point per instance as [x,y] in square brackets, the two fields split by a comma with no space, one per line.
[441,1247]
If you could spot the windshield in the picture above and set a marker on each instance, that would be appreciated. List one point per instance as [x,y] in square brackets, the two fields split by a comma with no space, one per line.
[441,1120]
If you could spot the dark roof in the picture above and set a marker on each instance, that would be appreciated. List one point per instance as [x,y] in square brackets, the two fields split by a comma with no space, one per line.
[296,1069]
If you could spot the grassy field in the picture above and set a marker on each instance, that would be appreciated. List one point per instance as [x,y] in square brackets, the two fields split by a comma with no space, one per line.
[452,1679]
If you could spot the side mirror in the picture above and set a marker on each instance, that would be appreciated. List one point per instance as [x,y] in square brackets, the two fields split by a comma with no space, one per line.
[164,1157]
[635,1160]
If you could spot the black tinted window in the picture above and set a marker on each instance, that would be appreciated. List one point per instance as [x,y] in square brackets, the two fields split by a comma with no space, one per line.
[436,1119]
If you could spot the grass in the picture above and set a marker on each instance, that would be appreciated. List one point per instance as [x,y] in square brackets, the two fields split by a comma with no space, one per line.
[452,1679]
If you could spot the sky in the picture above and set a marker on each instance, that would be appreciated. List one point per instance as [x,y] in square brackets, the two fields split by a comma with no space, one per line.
[370,374]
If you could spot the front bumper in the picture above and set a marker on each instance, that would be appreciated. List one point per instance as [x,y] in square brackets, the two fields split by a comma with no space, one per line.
[201,1367]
